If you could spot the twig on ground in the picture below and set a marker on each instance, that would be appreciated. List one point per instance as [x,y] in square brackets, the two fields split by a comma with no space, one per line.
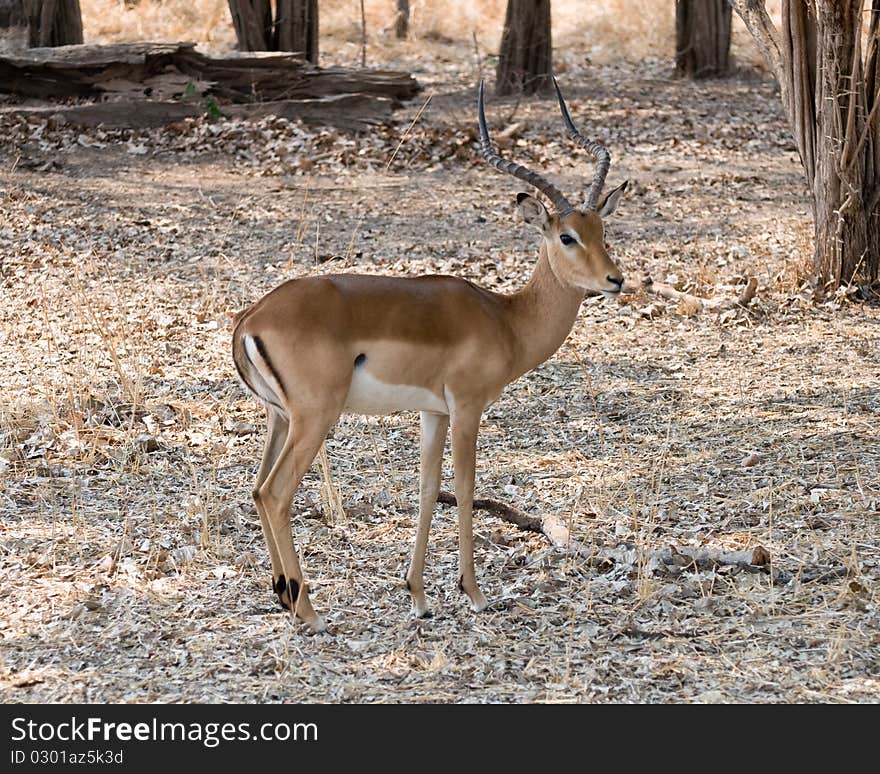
[671,559]
[549,526]
[690,303]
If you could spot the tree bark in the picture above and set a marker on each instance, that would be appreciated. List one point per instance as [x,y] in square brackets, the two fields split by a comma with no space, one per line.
[702,38]
[53,22]
[401,23]
[828,67]
[252,20]
[525,63]
[294,27]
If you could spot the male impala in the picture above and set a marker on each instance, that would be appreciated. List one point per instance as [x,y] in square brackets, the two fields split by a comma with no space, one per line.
[316,347]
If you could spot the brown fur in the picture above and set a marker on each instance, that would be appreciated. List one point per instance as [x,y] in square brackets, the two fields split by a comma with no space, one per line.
[441,334]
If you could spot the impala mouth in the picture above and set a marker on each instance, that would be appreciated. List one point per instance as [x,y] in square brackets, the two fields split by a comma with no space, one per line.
[616,287]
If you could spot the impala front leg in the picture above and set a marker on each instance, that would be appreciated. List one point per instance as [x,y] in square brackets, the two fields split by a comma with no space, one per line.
[465,425]
[433,436]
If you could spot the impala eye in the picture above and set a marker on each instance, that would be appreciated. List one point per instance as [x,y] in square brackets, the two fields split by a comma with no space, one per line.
[566,239]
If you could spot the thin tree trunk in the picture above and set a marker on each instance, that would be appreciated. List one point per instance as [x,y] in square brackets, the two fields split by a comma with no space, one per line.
[363,35]
[401,23]
[525,62]
[831,92]
[54,22]
[702,38]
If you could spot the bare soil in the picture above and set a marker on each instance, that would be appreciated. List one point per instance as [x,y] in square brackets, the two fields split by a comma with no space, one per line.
[132,562]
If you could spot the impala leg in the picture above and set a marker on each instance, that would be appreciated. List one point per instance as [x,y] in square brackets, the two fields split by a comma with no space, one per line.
[278,428]
[303,440]
[433,436]
[464,458]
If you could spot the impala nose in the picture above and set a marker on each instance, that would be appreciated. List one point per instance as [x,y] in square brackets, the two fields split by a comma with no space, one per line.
[617,281]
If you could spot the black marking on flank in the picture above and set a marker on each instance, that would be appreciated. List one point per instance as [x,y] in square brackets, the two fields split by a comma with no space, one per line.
[360,360]
[261,348]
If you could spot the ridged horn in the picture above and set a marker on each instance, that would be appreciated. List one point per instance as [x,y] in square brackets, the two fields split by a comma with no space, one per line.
[562,205]
[597,150]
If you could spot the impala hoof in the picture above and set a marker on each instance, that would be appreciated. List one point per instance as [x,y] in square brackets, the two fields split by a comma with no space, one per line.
[477,598]
[479,602]
[421,611]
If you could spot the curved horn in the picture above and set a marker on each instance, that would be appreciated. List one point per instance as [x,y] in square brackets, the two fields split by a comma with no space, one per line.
[598,151]
[562,205]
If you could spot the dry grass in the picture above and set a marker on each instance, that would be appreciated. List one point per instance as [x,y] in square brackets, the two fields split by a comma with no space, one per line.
[204,21]
[604,31]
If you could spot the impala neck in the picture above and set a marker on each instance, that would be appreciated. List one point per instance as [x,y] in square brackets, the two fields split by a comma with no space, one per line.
[542,315]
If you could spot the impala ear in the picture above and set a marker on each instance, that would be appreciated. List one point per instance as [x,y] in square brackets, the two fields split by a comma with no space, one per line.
[611,199]
[532,211]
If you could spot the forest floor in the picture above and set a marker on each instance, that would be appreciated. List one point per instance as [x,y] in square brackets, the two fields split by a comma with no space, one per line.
[133,564]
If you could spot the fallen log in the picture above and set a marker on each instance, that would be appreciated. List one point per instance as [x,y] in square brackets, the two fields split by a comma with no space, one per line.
[92,71]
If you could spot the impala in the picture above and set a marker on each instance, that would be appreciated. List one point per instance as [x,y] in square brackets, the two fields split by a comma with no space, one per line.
[316,347]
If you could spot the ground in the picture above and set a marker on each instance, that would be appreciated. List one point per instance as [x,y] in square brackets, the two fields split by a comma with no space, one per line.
[133,565]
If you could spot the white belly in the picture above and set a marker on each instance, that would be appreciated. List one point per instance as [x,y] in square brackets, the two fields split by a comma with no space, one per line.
[367,395]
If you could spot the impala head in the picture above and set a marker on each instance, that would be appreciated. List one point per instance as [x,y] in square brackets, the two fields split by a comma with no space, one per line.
[575,238]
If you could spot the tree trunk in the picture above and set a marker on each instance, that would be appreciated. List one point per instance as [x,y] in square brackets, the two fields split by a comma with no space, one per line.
[828,66]
[702,38]
[54,22]
[252,20]
[401,23]
[525,62]
[295,26]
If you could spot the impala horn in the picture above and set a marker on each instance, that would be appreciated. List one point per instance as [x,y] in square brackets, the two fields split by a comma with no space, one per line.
[597,150]
[562,205]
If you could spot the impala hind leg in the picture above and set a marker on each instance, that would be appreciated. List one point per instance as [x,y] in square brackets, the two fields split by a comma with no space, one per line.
[276,433]
[305,435]
[465,425]
[433,437]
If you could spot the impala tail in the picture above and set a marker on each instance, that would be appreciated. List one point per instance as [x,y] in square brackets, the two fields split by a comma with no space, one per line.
[256,371]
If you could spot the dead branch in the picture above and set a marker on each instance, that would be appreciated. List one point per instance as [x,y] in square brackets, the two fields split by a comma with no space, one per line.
[549,526]
[691,304]
[757,20]
[671,560]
